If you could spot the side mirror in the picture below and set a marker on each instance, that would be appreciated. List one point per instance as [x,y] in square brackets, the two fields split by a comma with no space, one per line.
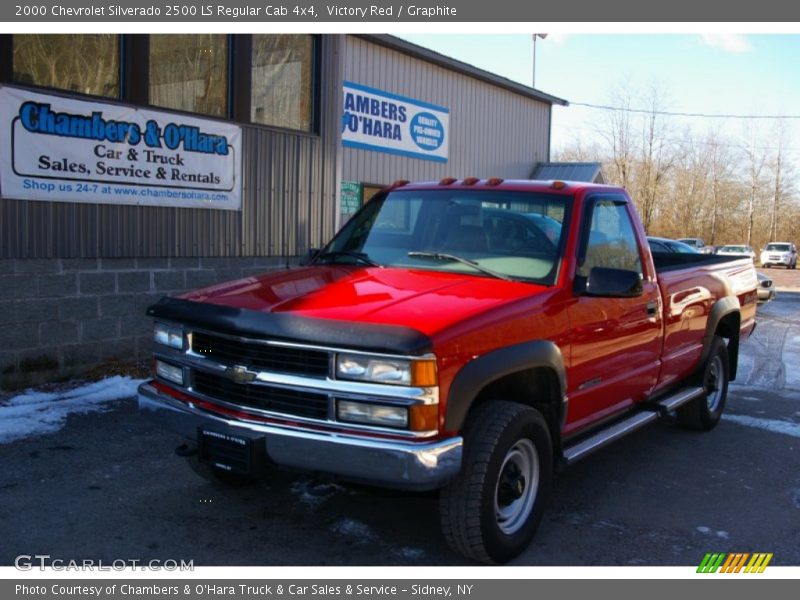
[613,283]
[310,255]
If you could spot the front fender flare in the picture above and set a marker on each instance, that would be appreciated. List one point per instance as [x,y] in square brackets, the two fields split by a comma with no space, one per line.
[482,371]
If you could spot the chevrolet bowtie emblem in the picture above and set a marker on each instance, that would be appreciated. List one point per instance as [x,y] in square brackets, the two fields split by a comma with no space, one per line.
[240,374]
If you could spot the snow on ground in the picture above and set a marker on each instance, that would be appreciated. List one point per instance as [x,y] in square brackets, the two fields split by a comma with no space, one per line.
[351,528]
[773,425]
[313,493]
[36,413]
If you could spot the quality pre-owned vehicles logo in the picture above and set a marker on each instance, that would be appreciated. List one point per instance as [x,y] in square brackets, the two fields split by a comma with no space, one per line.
[735,562]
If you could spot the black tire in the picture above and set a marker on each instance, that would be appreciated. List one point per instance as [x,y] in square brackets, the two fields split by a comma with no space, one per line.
[703,413]
[491,511]
[217,475]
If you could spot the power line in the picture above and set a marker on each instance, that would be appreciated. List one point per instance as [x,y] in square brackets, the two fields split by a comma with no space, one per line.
[699,142]
[680,114]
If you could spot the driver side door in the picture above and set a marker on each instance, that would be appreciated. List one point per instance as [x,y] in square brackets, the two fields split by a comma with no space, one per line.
[615,342]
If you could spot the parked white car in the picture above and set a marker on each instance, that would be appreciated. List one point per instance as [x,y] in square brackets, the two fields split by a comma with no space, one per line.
[739,250]
[779,253]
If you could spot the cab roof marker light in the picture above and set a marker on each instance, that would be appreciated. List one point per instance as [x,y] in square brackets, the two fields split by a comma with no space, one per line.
[470,181]
[447,181]
[494,181]
[559,185]
[399,183]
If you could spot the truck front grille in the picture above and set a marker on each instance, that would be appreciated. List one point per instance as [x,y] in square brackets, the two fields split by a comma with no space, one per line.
[264,397]
[263,357]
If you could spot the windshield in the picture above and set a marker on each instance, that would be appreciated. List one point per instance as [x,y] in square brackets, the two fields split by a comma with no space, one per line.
[778,247]
[513,235]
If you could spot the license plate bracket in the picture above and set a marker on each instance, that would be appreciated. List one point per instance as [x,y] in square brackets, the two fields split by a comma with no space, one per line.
[231,452]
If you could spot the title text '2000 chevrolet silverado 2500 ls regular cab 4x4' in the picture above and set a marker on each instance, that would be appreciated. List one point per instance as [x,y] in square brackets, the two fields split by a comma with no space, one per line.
[465,335]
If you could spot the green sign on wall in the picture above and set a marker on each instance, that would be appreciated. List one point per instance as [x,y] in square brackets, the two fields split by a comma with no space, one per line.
[351,194]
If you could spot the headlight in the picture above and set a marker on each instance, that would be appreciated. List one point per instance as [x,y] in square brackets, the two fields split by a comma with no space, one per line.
[400,371]
[169,372]
[168,336]
[372,414]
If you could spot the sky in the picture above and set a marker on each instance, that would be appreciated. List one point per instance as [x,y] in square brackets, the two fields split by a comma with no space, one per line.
[711,74]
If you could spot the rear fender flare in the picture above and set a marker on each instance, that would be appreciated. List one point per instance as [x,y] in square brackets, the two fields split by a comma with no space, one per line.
[722,308]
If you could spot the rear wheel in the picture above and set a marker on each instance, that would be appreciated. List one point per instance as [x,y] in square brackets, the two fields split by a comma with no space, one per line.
[490,512]
[703,413]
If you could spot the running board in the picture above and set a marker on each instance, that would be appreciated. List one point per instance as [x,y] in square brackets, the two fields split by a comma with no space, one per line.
[629,424]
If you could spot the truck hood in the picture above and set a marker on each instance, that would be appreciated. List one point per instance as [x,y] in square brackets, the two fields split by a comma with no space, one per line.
[427,301]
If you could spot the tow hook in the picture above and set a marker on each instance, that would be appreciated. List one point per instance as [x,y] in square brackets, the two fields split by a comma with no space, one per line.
[185,450]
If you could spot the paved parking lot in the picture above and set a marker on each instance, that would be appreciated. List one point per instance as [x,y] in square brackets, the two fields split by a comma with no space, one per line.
[107,486]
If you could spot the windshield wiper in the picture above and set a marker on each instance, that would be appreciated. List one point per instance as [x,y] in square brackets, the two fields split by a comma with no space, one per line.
[462,260]
[358,256]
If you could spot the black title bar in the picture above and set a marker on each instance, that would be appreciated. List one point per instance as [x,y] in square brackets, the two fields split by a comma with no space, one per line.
[361,11]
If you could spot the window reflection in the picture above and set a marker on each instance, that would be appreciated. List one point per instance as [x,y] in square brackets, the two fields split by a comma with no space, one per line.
[282,68]
[190,72]
[86,64]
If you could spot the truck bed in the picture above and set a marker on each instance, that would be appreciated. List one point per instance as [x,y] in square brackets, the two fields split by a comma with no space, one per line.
[672,261]
[690,285]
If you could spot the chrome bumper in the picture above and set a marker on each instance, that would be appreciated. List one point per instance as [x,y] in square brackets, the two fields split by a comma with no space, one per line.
[387,463]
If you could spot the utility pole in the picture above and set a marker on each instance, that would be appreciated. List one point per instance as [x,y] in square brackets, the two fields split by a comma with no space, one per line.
[535,35]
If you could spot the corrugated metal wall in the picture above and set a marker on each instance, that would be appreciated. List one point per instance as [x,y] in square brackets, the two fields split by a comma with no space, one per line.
[289,202]
[493,131]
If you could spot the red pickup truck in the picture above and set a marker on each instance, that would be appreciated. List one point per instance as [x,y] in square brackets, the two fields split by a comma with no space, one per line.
[470,336]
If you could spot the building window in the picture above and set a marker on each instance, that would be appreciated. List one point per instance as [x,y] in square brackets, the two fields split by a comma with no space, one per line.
[86,64]
[190,73]
[282,81]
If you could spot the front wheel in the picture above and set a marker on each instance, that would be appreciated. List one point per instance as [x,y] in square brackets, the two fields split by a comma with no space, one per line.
[490,512]
[703,413]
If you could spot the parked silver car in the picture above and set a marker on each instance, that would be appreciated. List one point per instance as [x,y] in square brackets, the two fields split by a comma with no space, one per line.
[740,250]
[698,244]
[766,288]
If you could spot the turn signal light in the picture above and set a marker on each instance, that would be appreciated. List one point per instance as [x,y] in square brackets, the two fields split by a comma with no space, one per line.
[424,417]
[423,373]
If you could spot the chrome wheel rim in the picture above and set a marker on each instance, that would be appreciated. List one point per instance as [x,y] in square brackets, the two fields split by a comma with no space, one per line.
[516,487]
[714,384]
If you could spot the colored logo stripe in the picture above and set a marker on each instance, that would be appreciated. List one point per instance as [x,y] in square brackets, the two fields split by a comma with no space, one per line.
[758,563]
[711,563]
[734,562]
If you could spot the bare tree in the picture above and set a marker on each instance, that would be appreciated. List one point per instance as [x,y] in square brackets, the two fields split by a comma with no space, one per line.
[755,159]
[617,131]
[782,175]
[657,155]
[722,168]
[685,184]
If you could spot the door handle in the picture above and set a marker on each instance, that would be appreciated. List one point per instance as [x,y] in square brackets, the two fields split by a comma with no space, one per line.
[652,307]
